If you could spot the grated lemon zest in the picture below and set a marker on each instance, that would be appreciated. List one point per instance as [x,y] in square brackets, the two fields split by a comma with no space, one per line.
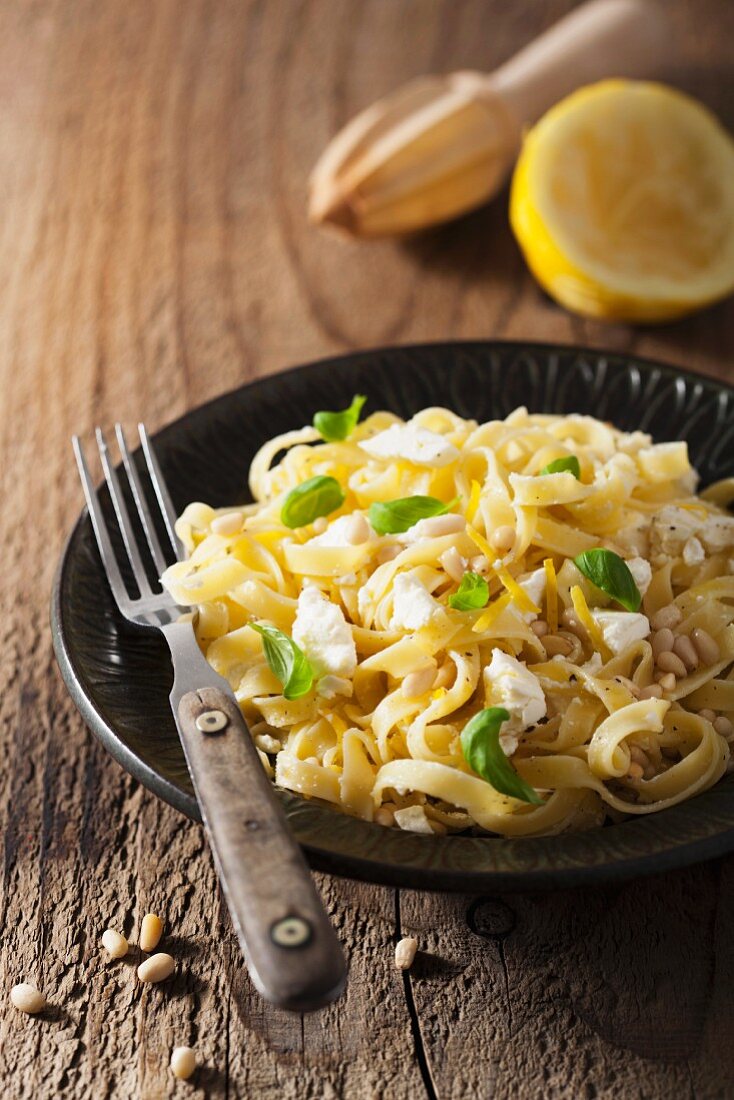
[481,543]
[471,508]
[438,694]
[486,620]
[551,595]
[519,596]
[584,616]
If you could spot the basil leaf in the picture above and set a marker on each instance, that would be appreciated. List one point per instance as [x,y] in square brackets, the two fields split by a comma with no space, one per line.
[472,594]
[392,517]
[480,743]
[561,465]
[286,660]
[319,496]
[611,573]
[335,426]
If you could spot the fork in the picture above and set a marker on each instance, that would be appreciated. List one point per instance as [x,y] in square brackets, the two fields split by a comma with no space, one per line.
[292,953]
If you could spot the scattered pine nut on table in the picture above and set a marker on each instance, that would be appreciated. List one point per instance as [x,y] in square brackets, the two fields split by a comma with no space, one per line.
[183,1062]
[151,931]
[405,952]
[114,943]
[157,968]
[26,998]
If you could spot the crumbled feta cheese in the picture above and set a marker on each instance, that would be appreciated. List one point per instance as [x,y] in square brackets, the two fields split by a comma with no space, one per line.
[330,686]
[717,533]
[693,552]
[635,537]
[534,586]
[672,527]
[511,685]
[413,605]
[324,635]
[414,820]
[621,629]
[336,534]
[641,571]
[432,528]
[593,664]
[412,443]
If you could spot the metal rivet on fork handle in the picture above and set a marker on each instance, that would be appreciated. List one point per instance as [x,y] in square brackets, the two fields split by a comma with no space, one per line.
[211,721]
[291,932]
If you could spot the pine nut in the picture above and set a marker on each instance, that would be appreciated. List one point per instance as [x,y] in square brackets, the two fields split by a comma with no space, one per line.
[151,930]
[453,564]
[635,771]
[652,691]
[437,526]
[228,524]
[114,944]
[268,744]
[554,645]
[539,628]
[417,683]
[709,715]
[405,952]
[667,681]
[706,646]
[157,968]
[685,649]
[27,998]
[502,540]
[480,563]
[662,642]
[384,816]
[724,727]
[357,530]
[670,662]
[319,525]
[666,618]
[183,1062]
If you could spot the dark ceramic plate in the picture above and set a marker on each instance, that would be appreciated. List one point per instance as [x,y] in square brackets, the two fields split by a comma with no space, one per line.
[120,676]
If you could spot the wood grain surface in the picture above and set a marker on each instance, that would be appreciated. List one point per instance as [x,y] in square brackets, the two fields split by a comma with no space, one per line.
[153,253]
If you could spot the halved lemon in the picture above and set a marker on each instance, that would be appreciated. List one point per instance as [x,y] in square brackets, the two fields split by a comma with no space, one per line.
[623,202]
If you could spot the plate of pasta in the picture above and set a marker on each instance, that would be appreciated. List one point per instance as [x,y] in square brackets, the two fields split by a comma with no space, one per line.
[476,602]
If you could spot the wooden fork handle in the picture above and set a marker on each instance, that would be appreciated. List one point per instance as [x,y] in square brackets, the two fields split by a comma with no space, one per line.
[291,950]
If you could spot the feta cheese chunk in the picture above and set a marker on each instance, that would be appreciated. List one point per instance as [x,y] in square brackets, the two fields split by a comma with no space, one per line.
[534,586]
[330,686]
[414,820]
[621,629]
[672,527]
[413,605]
[412,443]
[324,635]
[511,685]
[693,552]
[641,571]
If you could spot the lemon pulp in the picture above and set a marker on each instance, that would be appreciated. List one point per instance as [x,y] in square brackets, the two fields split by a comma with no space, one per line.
[623,202]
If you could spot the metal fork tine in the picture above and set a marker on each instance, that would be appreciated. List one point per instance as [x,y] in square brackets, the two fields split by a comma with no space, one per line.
[99,526]
[141,503]
[118,501]
[161,492]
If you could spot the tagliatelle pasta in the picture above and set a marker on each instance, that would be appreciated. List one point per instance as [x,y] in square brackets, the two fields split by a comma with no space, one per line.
[550,569]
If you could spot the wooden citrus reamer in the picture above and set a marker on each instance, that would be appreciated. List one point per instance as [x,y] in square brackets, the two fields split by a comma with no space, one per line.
[442,145]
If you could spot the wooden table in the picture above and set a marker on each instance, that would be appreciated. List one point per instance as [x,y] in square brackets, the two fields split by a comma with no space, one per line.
[153,253]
